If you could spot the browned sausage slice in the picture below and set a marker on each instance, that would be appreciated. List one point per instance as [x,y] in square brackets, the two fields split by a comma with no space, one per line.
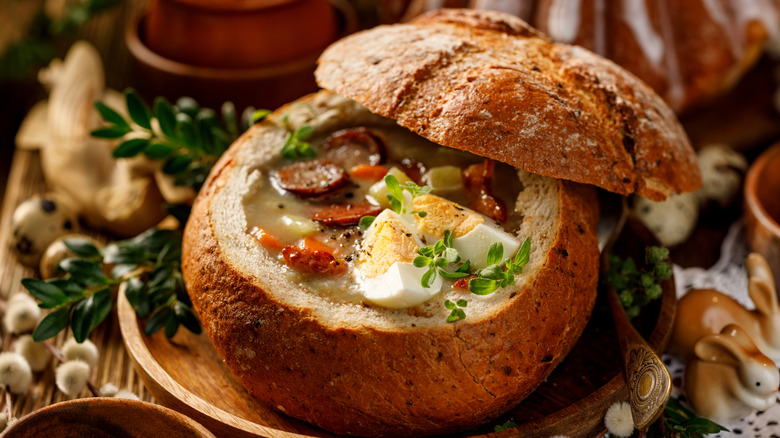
[351,147]
[344,214]
[312,261]
[477,179]
[311,179]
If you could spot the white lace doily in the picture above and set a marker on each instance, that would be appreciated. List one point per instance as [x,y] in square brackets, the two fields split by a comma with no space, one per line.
[728,276]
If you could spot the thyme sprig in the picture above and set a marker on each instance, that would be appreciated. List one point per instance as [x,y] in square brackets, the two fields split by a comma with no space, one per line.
[494,276]
[437,258]
[150,267]
[395,195]
[457,309]
[637,287]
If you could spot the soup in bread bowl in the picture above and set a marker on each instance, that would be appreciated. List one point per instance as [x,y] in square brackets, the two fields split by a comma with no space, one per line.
[412,250]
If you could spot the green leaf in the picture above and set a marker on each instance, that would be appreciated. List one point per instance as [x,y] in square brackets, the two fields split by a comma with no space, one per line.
[186,131]
[428,278]
[495,253]
[171,326]
[166,117]
[157,320]
[304,132]
[102,306]
[366,222]
[187,318]
[177,164]
[84,272]
[82,247]
[111,116]
[135,292]
[52,324]
[524,254]
[440,262]
[483,286]
[48,294]
[394,189]
[259,115]
[113,132]
[130,148]
[462,303]
[465,267]
[188,105]
[421,261]
[447,238]
[492,272]
[449,304]
[138,109]
[70,288]
[395,204]
[453,275]
[84,313]
[159,151]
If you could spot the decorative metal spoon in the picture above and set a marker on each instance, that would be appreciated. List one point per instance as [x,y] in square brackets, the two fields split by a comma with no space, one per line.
[648,380]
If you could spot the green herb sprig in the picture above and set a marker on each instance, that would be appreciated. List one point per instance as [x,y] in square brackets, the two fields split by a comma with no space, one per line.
[679,422]
[150,267]
[437,258]
[492,277]
[395,195]
[637,287]
[188,139]
[457,309]
[295,144]
[501,427]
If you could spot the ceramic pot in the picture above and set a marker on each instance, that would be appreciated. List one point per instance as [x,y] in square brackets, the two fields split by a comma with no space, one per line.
[239,33]
[267,86]
[762,207]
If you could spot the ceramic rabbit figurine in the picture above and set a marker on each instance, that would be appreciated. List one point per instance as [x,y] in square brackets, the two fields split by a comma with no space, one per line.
[728,377]
[705,311]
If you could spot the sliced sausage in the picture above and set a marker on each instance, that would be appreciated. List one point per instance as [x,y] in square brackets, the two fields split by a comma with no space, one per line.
[413,169]
[312,261]
[311,179]
[344,214]
[351,147]
[477,179]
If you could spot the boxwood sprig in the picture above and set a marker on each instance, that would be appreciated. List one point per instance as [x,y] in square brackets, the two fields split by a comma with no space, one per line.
[638,286]
[150,267]
[188,139]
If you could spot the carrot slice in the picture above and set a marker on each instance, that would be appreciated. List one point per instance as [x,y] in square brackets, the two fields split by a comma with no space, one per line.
[372,172]
[316,244]
[266,239]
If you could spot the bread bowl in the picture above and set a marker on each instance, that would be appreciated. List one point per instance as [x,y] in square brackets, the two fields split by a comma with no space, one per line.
[314,345]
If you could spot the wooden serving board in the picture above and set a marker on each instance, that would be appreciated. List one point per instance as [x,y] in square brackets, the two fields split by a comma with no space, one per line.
[187,375]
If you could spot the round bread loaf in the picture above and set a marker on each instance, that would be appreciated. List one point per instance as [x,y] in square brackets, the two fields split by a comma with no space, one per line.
[359,369]
[488,83]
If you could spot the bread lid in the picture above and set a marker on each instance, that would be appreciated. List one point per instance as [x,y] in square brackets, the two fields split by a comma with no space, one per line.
[488,83]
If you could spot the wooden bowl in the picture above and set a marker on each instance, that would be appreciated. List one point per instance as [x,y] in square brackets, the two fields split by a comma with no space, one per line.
[762,207]
[239,33]
[188,375]
[100,417]
[264,86]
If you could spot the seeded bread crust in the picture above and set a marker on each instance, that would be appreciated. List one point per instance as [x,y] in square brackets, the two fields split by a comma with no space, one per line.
[488,83]
[364,370]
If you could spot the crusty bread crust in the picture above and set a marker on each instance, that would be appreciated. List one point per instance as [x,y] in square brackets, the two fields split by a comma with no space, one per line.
[363,370]
[488,83]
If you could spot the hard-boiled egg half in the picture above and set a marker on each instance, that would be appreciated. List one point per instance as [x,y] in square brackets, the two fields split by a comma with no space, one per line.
[390,245]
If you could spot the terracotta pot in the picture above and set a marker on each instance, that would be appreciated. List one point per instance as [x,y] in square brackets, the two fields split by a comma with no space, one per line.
[106,417]
[239,33]
[262,87]
[762,207]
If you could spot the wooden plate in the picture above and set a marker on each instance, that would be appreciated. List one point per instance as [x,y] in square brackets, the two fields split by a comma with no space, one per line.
[187,374]
[100,417]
